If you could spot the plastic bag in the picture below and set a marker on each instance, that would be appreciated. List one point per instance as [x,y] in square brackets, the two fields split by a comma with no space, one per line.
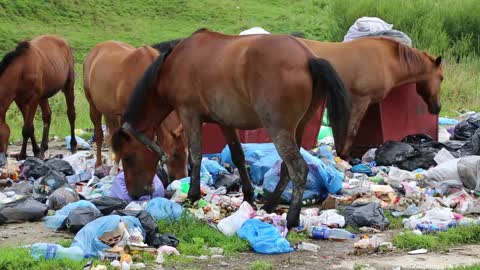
[60,166]
[369,156]
[445,171]
[81,143]
[55,222]
[366,215]
[81,216]
[231,182]
[321,179]
[34,167]
[264,238]
[254,31]
[21,210]
[329,218]
[106,205]
[391,152]
[81,161]
[88,237]
[21,188]
[373,26]
[119,189]
[259,157]
[469,171]
[161,208]
[230,225]
[465,129]
[61,197]
[213,168]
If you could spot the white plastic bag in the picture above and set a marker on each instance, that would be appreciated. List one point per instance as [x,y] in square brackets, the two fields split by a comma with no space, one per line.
[445,171]
[230,225]
[254,31]
[443,156]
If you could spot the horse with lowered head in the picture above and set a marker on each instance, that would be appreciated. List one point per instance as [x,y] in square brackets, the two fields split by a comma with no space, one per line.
[29,75]
[110,71]
[244,82]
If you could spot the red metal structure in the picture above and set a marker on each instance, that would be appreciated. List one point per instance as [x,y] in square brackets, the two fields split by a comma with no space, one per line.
[401,113]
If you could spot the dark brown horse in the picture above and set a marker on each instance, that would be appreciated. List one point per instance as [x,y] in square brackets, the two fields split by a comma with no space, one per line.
[29,75]
[110,72]
[245,82]
[371,67]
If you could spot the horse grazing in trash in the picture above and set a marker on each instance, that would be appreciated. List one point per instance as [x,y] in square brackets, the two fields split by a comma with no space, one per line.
[29,75]
[244,82]
[371,67]
[110,71]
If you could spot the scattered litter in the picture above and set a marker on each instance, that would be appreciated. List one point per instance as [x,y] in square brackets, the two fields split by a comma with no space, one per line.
[418,251]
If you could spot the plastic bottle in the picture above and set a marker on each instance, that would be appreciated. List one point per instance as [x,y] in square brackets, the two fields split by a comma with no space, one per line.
[327,233]
[427,228]
[54,251]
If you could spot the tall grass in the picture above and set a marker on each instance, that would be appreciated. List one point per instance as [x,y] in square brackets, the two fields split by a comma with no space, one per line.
[446,27]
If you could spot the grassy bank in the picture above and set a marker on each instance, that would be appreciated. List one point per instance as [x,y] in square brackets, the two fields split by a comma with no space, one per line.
[446,27]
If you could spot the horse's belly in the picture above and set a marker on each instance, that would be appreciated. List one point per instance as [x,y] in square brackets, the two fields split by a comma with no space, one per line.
[235,115]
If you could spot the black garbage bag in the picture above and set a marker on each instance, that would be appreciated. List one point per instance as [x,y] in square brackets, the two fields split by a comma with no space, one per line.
[153,237]
[107,205]
[230,181]
[79,217]
[21,188]
[422,157]
[366,215]
[34,167]
[60,166]
[392,152]
[46,185]
[472,146]
[61,197]
[21,210]
[465,129]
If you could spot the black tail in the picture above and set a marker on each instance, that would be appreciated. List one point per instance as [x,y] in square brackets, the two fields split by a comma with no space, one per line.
[10,56]
[327,83]
[140,94]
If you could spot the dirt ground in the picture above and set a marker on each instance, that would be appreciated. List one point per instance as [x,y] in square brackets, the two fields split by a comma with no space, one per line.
[333,254]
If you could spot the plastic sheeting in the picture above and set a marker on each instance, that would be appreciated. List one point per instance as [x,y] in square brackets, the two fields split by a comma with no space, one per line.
[254,31]
[161,208]
[21,210]
[264,238]
[119,189]
[55,222]
[321,180]
[88,237]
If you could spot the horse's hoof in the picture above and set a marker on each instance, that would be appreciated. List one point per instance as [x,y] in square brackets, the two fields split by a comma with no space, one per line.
[293,220]
[268,208]
[3,159]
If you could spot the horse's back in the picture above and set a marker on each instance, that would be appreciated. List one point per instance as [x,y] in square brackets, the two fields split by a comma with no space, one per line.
[253,69]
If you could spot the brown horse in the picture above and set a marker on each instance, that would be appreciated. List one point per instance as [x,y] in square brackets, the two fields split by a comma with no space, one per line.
[110,72]
[371,67]
[245,82]
[35,71]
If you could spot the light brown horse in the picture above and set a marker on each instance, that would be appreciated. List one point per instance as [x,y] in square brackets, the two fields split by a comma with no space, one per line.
[29,75]
[110,72]
[245,82]
[371,67]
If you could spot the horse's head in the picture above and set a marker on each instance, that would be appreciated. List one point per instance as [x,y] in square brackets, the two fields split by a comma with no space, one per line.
[429,87]
[139,163]
[176,148]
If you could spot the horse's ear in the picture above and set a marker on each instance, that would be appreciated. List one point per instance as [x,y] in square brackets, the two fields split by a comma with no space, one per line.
[438,61]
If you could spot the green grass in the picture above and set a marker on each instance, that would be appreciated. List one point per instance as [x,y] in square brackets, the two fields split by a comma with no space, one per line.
[468,267]
[19,258]
[196,237]
[261,265]
[447,27]
[440,240]
[395,222]
[296,237]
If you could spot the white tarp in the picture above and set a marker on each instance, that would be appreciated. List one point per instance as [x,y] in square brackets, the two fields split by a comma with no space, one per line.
[254,31]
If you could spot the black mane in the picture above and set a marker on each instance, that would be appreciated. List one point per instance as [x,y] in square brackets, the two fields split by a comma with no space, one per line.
[11,56]
[166,45]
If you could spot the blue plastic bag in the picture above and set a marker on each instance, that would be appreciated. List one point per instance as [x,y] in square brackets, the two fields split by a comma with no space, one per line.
[88,237]
[55,222]
[263,237]
[447,121]
[213,168]
[321,179]
[81,143]
[260,157]
[362,168]
[161,208]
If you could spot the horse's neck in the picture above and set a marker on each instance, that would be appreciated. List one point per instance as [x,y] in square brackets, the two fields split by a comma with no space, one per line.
[405,72]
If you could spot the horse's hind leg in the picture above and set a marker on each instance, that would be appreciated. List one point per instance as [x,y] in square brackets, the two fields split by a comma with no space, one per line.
[297,168]
[46,118]
[70,99]
[96,118]
[238,159]
[359,108]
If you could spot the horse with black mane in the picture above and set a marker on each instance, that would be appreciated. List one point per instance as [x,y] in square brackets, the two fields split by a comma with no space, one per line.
[245,82]
[29,75]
